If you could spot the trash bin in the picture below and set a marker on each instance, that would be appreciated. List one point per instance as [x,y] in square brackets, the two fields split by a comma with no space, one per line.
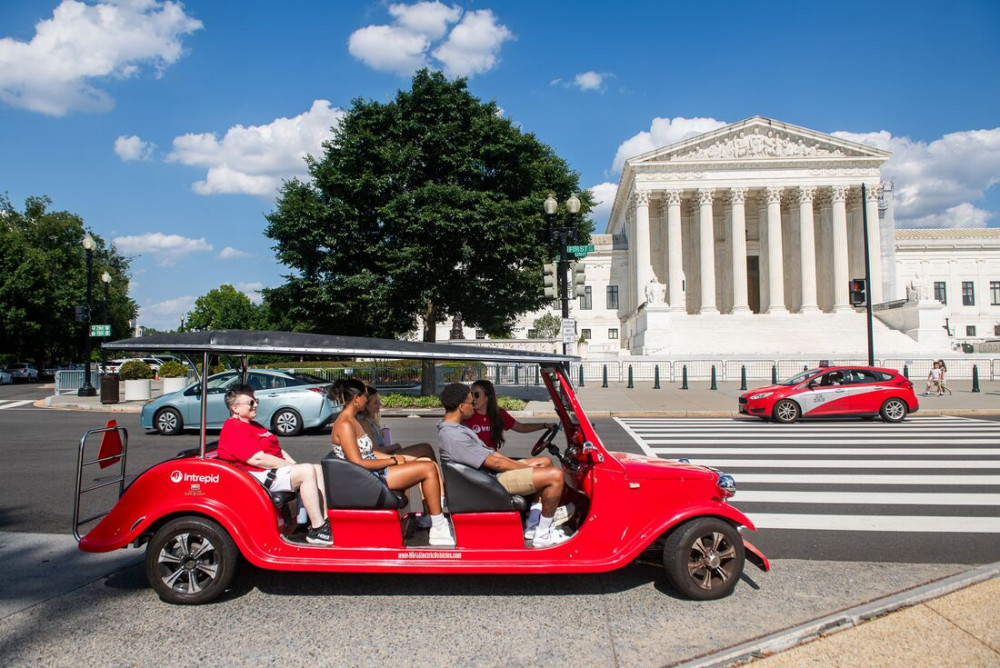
[109,389]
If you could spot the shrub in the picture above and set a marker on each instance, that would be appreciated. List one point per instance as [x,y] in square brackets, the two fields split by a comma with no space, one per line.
[173,370]
[135,370]
[410,401]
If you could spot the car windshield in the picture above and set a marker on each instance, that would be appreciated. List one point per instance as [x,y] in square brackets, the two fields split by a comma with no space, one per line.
[799,377]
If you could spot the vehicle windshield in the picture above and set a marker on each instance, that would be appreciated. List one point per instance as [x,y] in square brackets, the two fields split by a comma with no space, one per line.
[799,377]
[561,396]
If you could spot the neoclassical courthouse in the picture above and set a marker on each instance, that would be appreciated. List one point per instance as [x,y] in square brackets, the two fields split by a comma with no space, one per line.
[744,240]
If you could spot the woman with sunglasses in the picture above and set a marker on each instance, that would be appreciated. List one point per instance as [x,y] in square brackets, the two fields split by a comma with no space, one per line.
[351,442]
[489,421]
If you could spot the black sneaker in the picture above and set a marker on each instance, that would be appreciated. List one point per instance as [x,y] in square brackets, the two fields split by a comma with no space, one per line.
[320,535]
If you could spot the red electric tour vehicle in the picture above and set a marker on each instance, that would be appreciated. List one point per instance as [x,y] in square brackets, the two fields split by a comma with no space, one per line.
[198,515]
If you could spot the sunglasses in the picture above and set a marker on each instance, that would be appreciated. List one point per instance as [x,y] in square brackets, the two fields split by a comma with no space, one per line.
[253,403]
[476,395]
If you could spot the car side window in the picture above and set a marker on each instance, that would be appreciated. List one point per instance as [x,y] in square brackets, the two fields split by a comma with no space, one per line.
[863,376]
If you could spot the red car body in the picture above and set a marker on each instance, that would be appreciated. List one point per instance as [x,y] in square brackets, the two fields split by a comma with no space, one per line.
[836,390]
[628,506]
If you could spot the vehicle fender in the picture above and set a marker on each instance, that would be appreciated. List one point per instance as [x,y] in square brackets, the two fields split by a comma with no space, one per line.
[206,487]
[666,523]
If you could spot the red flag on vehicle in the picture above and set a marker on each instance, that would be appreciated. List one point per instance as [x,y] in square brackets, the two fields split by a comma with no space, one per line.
[111,446]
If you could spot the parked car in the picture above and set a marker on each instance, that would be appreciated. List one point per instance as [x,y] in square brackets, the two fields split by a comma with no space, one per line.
[839,390]
[23,371]
[5,378]
[199,516]
[289,403]
[114,365]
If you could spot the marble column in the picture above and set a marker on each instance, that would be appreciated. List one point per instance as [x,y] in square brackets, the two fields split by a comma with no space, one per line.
[807,250]
[675,251]
[841,301]
[775,261]
[706,237]
[643,269]
[738,236]
[872,193]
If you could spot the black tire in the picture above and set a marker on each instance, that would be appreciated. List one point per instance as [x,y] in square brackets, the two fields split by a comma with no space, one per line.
[286,422]
[786,411]
[191,560]
[168,421]
[893,410]
[703,558]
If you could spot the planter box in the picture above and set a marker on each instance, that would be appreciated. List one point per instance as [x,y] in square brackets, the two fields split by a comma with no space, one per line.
[174,384]
[137,390]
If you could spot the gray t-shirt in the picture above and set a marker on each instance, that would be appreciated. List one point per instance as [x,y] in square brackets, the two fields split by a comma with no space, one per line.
[460,444]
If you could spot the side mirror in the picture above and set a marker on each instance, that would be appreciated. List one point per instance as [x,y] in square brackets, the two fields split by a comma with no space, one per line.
[812,384]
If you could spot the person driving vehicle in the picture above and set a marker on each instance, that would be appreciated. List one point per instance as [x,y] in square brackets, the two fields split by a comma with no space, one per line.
[525,477]
[833,378]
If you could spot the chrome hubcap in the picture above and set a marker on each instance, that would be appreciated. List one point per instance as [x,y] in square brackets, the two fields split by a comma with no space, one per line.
[710,558]
[188,563]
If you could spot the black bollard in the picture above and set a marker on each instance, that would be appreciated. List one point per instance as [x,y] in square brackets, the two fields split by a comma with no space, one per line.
[743,377]
[630,385]
[774,374]
[805,367]
[604,376]
[517,373]
[656,377]
[906,372]
[581,375]
[975,377]
[497,381]
[684,377]
[714,386]
[537,375]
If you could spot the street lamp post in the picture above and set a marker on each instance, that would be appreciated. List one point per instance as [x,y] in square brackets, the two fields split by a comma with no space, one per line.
[562,232]
[87,390]
[106,279]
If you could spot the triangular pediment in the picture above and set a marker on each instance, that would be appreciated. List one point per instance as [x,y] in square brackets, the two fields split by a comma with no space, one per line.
[759,138]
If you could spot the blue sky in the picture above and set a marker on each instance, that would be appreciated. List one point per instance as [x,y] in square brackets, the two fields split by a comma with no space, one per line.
[167,126]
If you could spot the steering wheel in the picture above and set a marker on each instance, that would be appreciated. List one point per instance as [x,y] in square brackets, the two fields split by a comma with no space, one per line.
[546,440]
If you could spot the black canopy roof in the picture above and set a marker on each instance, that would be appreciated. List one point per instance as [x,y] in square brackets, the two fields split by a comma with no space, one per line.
[242,342]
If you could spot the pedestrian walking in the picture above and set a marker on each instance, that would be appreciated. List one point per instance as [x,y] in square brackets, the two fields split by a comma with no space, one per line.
[933,380]
[942,385]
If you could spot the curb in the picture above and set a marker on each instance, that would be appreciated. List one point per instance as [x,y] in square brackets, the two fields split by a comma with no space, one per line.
[839,621]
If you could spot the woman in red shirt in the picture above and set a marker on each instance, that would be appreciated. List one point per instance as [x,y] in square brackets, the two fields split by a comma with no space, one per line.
[490,421]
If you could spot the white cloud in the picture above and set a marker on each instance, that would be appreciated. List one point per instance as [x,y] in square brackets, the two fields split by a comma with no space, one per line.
[252,290]
[56,71]
[589,80]
[255,160]
[230,253]
[937,182]
[604,199]
[662,132]
[133,148]
[166,314]
[471,47]
[168,249]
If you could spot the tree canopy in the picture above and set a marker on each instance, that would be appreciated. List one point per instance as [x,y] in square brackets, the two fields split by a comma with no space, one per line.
[43,278]
[224,308]
[429,205]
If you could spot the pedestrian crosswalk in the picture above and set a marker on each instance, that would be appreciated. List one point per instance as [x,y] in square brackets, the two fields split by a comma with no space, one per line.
[927,474]
[5,404]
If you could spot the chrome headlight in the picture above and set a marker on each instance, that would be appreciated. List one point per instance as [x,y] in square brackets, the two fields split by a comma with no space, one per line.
[761,395]
[727,485]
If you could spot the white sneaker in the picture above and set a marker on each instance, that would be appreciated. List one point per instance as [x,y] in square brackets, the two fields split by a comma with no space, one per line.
[441,536]
[422,521]
[561,516]
[552,537]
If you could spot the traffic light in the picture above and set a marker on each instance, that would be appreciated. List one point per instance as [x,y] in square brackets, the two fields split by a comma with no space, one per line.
[81,313]
[549,280]
[579,279]
[859,292]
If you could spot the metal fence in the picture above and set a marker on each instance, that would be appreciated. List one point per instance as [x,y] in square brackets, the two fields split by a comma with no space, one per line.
[68,381]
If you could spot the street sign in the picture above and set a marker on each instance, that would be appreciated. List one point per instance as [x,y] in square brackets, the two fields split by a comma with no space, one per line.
[100,330]
[569,330]
[580,251]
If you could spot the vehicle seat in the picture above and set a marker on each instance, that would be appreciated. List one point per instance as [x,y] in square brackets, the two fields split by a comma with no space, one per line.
[476,491]
[351,487]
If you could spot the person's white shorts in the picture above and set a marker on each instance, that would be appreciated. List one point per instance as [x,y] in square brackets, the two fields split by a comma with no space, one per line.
[282,481]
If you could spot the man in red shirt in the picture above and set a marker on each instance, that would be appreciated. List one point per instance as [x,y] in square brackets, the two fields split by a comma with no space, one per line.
[250,445]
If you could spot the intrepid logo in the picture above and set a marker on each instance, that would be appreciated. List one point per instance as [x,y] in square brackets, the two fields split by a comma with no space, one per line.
[177,476]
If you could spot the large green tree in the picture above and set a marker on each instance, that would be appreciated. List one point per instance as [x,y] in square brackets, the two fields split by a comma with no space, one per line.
[224,308]
[429,205]
[43,278]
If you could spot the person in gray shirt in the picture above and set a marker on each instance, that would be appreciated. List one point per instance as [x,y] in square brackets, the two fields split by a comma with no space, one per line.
[526,477]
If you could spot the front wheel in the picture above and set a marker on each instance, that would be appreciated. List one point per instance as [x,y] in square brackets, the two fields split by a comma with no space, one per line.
[286,422]
[703,558]
[786,411]
[168,422]
[893,410]
[191,560]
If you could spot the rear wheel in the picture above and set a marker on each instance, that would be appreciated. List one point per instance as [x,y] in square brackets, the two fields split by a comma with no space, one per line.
[191,560]
[168,422]
[786,411]
[286,422]
[893,410]
[704,558]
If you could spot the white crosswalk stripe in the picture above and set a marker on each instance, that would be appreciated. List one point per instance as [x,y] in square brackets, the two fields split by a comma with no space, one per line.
[947,469]
[5,404]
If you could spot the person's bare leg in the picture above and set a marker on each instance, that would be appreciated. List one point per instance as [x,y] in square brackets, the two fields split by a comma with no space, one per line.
[303,479]
[421,473]
[549,483]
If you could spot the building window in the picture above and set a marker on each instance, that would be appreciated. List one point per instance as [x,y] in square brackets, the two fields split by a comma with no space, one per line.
[585,333]
[612,334]
[587,300]
[940,292]
[480,334]
[612,297]
[968,294]
[532,333]
[970,330]
[995,293]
